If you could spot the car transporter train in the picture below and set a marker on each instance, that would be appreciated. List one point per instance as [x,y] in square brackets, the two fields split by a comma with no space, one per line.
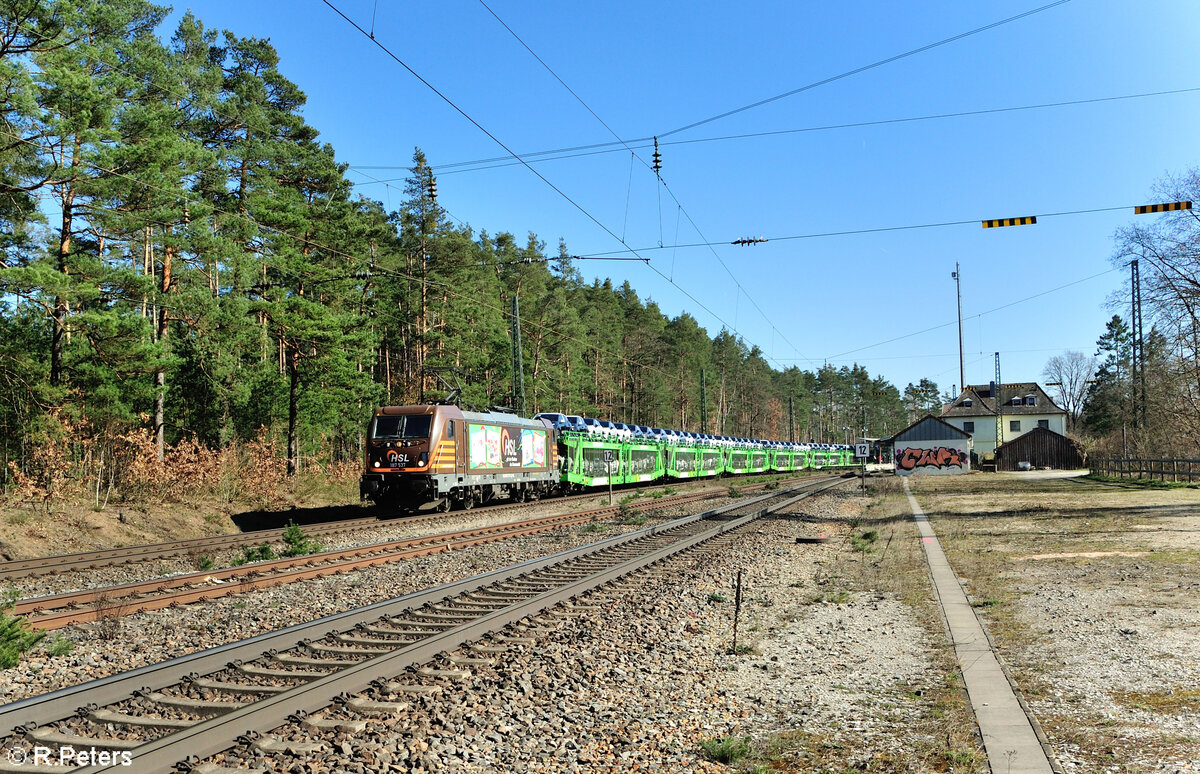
[416,455]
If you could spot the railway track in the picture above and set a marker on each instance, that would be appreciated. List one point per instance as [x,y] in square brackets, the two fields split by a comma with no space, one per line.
[88,605]
[171,716]
[15,569]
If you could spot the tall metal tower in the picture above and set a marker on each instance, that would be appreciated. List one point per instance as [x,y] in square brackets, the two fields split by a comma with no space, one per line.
[517,360]
[997,394]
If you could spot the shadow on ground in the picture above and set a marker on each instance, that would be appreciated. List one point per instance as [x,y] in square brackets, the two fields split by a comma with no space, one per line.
[252,521]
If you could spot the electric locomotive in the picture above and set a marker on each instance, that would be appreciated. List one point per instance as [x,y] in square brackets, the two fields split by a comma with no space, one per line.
[440,454]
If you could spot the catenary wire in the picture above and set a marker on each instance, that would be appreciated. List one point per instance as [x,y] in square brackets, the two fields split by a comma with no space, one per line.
[448,289]
[658,176]
[643,143]
[332,250]
[335,251]
[475,123]
[852,232]
[528,166]
[978,315]
[864,68]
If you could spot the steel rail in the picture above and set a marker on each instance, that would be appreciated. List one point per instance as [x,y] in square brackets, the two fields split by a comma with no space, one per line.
[129,598]
[206,738]
[110,557]
[23,715]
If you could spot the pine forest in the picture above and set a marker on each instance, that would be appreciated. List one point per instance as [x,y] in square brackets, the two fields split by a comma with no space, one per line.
[192,296]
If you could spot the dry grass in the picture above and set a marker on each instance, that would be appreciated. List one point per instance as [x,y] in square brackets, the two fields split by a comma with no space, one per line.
[1129,553]
[1170,702]
[110,617]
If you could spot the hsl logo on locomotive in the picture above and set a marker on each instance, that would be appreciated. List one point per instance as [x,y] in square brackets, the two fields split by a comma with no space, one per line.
[511,449]
[396,459]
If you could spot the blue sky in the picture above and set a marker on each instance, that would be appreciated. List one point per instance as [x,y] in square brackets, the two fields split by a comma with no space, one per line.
[651,68]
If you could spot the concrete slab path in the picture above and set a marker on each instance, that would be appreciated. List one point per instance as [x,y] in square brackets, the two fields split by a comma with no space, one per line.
[1011,744]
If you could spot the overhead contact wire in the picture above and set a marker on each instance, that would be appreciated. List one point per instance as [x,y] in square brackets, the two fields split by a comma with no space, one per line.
[659,179]
[475,123]
[864,68]
[595,149]
[853,232]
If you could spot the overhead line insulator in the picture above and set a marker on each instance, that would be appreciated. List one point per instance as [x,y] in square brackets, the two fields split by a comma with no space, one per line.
[657,157]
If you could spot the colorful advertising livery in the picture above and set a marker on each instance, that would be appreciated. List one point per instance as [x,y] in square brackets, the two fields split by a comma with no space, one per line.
[442,454]
[495,447]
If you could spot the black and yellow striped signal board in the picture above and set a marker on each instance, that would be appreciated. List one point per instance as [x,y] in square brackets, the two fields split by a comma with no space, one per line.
[1028,220]
[1167,207]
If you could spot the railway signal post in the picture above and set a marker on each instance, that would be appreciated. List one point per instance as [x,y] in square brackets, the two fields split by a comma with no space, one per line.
[862,451]
[608,464]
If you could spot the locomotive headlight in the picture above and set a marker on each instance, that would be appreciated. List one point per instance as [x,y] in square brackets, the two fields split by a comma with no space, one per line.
[423,458]
[376,463]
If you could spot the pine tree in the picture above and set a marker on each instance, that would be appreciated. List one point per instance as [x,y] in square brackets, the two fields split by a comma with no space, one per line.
[15,635]
[1106,408]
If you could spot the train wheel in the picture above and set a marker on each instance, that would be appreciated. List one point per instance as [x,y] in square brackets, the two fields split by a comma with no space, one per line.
[468,501]
[443,505]
[518,495]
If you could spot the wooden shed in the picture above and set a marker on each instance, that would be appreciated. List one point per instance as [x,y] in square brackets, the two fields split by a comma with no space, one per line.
[1040,448]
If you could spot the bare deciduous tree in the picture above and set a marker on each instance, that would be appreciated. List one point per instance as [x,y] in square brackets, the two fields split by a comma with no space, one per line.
[1167,248]
[1070,373]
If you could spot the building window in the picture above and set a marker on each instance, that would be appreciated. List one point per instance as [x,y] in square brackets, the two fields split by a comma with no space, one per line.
[1044,424]
[1014,425]
[1030,400]
[968,403]
[968,427]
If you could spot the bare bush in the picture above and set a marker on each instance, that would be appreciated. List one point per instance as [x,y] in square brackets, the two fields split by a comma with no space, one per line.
[110,617]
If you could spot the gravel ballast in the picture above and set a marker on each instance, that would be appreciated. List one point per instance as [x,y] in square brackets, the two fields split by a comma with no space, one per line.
[642,682]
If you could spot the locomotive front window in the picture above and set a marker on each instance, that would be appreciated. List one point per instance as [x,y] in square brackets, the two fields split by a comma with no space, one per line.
[403,426]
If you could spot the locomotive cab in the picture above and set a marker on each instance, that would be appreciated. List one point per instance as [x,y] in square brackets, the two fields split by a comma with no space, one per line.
[405,446]
[396,442]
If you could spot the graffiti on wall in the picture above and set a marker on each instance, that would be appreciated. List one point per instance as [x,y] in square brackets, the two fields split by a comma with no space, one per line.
[937,459]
